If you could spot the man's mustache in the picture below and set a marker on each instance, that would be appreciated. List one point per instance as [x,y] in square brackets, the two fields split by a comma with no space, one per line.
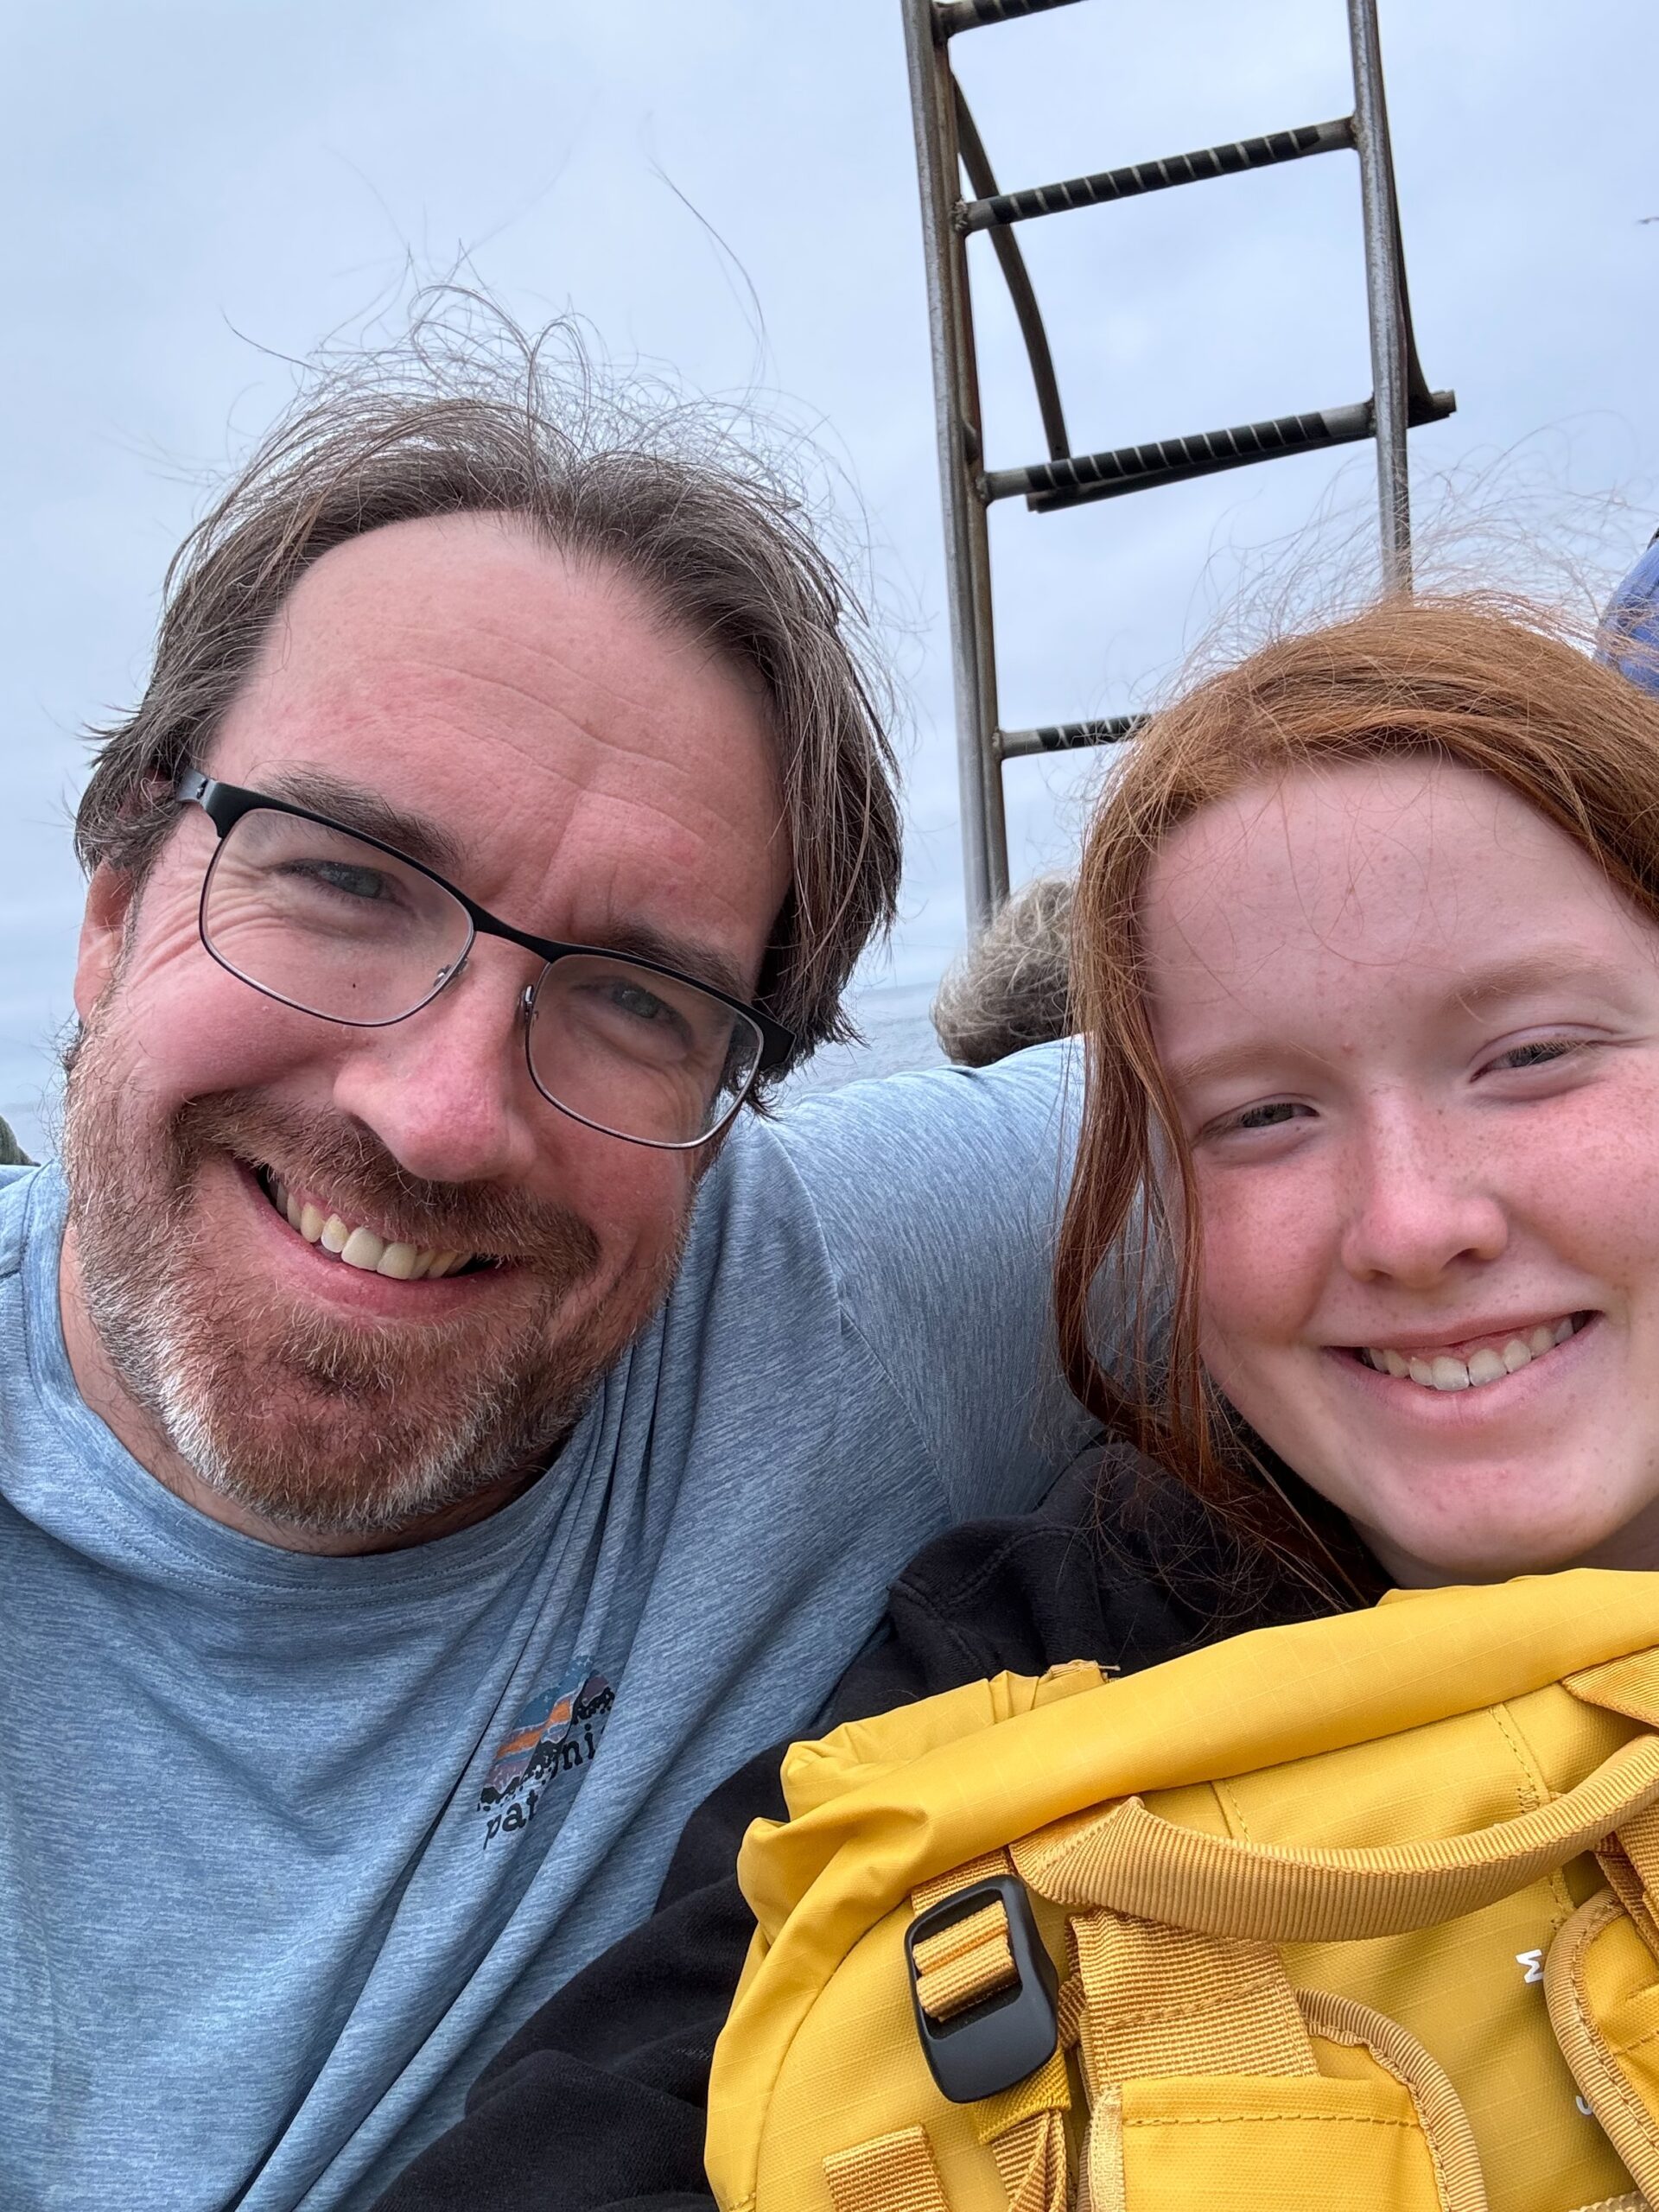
[346,1164]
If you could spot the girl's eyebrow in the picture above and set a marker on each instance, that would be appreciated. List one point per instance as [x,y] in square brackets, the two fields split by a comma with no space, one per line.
[1481,991]
[1249,1056]
[1545,968]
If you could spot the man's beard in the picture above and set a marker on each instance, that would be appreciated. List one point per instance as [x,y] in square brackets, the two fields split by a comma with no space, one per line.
[324,1425]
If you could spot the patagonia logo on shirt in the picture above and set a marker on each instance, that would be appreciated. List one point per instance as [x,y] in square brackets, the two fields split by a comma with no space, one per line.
[556,1733]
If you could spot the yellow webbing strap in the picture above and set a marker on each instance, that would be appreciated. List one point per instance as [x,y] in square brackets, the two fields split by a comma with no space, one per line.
[1135,1862]
[926,1895]
[971,1961]
[1639,1836]
[1031,2164]
[1101,2185]
[890,2173]
[1160,2000]
[1024,2128]
[968,1962]
[1630,1865]
[1623,2113]
[1025,2131]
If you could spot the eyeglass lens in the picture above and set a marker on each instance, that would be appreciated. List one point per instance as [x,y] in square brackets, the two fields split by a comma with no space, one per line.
[336,927]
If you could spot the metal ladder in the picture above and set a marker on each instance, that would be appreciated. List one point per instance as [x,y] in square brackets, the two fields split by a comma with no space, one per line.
[948,149]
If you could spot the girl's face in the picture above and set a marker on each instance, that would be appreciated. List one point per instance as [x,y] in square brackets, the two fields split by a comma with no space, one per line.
[1414,1036]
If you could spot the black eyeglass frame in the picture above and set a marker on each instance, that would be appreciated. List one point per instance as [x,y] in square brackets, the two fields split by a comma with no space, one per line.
[224,804]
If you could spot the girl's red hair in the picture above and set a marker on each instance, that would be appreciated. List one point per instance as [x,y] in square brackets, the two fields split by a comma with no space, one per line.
[1461,680]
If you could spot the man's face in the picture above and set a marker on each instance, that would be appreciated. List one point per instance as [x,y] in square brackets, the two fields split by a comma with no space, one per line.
[598,777]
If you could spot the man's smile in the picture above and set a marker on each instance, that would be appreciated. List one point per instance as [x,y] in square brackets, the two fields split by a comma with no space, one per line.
[334,1259]
[357,1245]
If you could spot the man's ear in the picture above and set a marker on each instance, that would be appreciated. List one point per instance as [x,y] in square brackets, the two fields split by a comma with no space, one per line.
[103,926]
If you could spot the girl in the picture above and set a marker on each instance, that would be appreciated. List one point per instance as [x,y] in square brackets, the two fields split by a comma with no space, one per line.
[1367,963]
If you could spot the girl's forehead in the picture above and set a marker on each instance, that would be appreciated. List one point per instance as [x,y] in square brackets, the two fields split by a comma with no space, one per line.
[1370,862]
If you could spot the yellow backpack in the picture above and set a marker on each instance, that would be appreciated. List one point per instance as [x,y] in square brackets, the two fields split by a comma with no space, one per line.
[1351,1915]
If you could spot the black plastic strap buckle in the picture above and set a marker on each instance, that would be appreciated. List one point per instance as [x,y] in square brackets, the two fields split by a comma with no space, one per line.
[1007,2037]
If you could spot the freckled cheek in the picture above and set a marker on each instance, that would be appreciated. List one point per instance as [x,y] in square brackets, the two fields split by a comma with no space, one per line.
[1267,1250]
[1589,1189]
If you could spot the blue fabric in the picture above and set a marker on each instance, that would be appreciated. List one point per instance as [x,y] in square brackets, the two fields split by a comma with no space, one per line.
[290,1845]
[1630,623]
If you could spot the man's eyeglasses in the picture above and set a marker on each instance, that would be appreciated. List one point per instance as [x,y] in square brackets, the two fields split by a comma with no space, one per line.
[339,924]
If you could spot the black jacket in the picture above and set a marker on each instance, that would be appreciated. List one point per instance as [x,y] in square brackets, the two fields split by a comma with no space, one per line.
[597,2102]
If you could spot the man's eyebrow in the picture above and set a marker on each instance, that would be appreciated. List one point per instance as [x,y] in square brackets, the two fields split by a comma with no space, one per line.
[702,963]
[359,807]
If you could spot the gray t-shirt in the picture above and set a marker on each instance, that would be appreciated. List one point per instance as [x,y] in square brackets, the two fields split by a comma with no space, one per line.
[290,1846]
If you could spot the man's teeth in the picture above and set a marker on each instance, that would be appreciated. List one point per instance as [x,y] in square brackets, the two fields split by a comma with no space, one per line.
[1445,1371]
[361,1248]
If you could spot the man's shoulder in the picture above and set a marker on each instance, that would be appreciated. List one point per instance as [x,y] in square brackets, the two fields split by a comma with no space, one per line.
[973,1137]
[18,1181]
[1010,1091]
[836,1179]
[905,1226]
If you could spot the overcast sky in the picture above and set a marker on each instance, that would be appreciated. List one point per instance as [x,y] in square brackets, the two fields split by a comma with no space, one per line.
[198,190]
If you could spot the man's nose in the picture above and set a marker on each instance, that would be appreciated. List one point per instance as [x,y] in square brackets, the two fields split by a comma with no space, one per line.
[1423,1201]
[448,1090]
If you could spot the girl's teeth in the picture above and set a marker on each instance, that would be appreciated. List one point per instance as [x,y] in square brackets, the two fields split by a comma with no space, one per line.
[1446,1372]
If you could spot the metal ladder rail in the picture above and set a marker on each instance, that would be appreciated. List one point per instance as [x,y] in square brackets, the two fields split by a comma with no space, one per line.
[947,144]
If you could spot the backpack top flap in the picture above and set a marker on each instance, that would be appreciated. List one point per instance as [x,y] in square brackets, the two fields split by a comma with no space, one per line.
[889,1805]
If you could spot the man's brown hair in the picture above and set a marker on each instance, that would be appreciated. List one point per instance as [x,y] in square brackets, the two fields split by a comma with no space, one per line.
[471,417]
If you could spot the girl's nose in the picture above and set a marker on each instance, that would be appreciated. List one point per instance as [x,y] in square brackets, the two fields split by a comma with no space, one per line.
[1421,1204]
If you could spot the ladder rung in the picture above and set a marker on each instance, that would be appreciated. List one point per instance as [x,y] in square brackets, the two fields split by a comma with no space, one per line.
[1066,737]
[1053,484]
[1157,176]
[950,16]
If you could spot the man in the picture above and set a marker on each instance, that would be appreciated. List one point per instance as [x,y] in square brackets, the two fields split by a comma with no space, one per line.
[445,1432]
